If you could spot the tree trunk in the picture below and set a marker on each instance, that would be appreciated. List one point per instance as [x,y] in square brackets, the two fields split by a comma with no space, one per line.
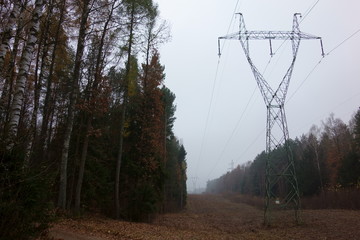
[82,167]
[43,49]
[47,102]
[71,107]
[6,35]
[97,79]
[10,75]
[119,157]
[316,150]
[24,66]
[123,115]
[76,163]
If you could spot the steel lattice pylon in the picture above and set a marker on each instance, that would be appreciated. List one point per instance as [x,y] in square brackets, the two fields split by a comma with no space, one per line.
[281,185]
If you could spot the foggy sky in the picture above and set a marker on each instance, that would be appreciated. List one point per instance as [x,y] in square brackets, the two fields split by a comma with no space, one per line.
[228,99]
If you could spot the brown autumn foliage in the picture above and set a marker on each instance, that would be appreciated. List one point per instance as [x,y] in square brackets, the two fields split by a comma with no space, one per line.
[326,162]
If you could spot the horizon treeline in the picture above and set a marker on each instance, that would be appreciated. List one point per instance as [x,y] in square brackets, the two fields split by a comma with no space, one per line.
[86,122]
[327,159]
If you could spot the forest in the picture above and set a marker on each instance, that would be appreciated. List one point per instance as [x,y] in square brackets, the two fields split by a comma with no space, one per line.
[327,165]
[86,121]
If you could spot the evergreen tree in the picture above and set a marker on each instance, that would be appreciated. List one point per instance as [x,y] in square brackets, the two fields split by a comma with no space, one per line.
[67,114]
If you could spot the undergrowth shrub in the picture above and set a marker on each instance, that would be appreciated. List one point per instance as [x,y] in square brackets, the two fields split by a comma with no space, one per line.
[144,203]
[25,206]
[334,199]
[344,198]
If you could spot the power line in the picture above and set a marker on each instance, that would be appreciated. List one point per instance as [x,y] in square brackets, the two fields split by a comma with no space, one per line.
[232,133]
[231,21]
[320,61]
[267,65]
[208,116]
[307,77]
[233,16]
[309,11]
[260,133]
[252,143]
[274,101]
[194,181]
[337,46]
[330,110]
[302,83]
[238,123]
[212,94]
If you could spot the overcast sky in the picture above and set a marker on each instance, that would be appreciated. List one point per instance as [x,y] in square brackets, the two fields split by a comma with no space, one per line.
[221,116]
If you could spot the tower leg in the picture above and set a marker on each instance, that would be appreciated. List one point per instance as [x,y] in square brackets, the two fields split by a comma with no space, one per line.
[281,186]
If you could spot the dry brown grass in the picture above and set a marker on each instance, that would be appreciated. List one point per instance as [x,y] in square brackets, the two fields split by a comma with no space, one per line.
[212,217]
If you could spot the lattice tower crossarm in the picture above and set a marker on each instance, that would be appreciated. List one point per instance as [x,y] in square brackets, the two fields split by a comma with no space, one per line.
[278,175]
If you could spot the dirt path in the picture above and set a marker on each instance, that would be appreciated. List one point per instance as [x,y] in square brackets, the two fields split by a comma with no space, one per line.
[214,217]
[58,234]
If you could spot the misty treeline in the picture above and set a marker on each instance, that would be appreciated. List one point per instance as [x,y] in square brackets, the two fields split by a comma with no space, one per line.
[86,122]
[327,165]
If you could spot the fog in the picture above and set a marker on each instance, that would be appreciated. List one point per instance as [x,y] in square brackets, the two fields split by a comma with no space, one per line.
[221,116]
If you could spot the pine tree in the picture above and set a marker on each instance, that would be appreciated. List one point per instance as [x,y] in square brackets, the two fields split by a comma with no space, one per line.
[94,100]
[71,107]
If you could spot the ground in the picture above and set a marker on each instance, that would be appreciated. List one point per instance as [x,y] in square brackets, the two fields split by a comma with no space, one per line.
[215,217]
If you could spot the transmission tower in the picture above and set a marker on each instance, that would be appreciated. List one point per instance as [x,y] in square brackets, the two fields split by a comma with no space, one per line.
[281,186]
[194,180]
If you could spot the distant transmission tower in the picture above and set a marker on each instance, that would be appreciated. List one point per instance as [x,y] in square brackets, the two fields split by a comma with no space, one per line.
[231,166]
[281,186]
[194,180]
